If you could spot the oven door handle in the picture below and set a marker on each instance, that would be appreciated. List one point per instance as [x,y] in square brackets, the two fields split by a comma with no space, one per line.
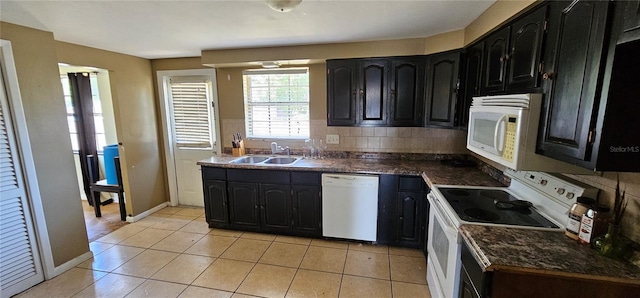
[498,134]
[441,216]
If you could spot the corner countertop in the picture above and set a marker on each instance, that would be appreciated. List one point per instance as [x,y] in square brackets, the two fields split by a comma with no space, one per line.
[542,252]
[433,172]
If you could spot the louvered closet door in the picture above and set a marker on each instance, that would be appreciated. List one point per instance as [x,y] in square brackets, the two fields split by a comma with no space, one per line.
[20,266]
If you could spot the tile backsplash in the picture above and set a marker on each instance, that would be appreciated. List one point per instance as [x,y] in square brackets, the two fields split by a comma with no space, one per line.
[364,139]
[607,185]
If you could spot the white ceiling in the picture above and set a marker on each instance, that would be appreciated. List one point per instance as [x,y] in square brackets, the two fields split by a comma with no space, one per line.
[167,29]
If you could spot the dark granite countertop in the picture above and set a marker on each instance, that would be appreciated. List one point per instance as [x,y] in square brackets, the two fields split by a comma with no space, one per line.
[543,252]
[433,172]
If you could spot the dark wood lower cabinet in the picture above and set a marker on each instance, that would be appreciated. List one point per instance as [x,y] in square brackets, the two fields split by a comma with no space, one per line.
[402,219]
[271,201]
[243,204]
[216,205]
[307,210]
[275,207]
[411,219]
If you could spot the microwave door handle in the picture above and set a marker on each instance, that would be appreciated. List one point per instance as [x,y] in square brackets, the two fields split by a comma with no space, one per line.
[498,137]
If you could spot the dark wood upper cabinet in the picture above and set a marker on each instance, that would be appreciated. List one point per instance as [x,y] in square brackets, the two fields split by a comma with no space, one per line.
[472,81]
[385,91]
[513,54]
[496,56]
[341,92]
[406,91]
[526,50]
[442,89]
[573,63]
[372,96]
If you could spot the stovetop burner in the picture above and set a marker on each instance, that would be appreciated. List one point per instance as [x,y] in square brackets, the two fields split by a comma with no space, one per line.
[494,206]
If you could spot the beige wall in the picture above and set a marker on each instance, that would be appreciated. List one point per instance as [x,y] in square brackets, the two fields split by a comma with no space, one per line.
[317,53]
[37,67]
[495,15]
[135,112]
[444,42]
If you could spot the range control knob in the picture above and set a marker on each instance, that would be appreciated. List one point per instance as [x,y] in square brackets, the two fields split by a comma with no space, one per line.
[560,191]
[570,195]
[543,182]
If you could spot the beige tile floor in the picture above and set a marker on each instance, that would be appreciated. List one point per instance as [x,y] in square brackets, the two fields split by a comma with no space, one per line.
[173,253]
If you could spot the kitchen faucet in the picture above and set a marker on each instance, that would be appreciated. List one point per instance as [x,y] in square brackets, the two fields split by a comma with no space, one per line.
[275,149]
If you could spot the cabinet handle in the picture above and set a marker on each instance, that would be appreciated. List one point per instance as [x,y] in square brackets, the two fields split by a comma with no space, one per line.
[361,92]
[549,75]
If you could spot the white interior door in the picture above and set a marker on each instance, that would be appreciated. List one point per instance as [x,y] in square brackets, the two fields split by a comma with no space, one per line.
[194,134]
[20,263]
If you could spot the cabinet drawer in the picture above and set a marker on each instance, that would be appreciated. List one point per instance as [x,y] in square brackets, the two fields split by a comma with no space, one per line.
[308,178]
[258,176]
[210,173]
[410,183]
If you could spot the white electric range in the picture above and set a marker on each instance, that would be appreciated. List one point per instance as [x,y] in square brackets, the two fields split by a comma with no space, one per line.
[534,200]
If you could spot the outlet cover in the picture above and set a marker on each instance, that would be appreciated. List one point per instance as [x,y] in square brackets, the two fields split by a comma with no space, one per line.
[333,139]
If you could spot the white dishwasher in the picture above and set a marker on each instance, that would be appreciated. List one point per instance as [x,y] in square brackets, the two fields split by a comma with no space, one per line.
[350,206]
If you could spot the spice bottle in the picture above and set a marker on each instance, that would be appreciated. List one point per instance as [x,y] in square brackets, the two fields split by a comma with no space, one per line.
[593,223]
[576,212]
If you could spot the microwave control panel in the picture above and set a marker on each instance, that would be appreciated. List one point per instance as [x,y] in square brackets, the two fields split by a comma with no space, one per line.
[510,138]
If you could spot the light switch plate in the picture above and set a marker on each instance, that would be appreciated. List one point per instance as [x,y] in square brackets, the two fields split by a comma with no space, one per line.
[333,139]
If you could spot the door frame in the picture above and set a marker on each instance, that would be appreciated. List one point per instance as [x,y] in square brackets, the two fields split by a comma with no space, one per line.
[167,124]
[19,125]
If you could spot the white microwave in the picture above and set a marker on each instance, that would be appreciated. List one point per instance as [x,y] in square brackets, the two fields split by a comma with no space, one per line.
[504,129]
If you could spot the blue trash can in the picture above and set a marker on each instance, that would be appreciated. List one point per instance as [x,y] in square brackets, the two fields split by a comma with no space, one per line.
[110,152]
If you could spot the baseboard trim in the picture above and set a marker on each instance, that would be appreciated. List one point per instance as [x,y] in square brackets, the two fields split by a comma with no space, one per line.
[70,264]
[146,213]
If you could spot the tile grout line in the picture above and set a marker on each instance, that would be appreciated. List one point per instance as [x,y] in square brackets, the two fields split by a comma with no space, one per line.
[298,268]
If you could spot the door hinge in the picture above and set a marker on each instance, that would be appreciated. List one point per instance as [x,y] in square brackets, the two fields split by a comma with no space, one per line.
[591,137]
[544,26]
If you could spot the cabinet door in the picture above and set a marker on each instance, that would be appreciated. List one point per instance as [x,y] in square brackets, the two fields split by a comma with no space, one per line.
[215,201]
[495,61]
[410,219]
[406,91]
[243,204]
[467,289]
[275,207]
[631,16]
[341,92]
[373,92]
[307,209]
[442,89]
[574,49]
[472,81]
[526,51]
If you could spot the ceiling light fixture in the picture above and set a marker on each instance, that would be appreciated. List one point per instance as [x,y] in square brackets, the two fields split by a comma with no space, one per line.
[270,64]
[283,5]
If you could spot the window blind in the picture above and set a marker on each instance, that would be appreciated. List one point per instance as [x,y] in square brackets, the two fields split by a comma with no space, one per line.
[277,103]
[190,102]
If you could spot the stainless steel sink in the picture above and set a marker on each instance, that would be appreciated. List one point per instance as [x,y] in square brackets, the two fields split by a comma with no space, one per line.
[282,160]
[266,160]
[250,159]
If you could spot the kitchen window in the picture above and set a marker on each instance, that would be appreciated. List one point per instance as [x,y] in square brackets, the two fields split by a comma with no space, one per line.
[276,103]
